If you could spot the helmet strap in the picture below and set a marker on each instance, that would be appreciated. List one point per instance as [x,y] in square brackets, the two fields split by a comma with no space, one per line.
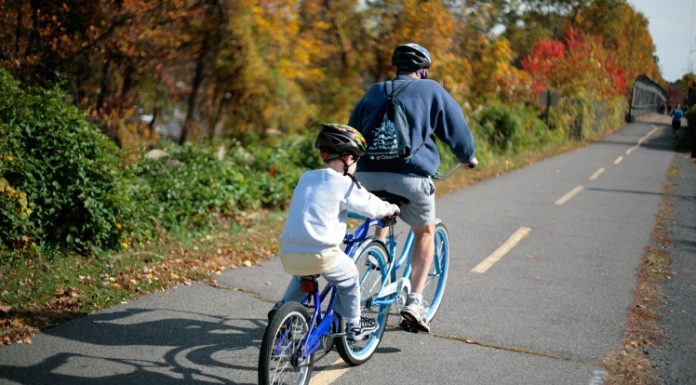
[346,166]
[423,73]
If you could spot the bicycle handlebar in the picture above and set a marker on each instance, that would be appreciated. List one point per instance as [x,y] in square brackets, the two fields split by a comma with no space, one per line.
[439,176]
[454,168]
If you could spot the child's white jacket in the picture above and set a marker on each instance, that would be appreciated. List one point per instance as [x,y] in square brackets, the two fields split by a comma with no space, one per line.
[317,217]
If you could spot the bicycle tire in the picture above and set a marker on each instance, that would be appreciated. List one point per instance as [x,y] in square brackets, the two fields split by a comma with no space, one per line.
[434,289]
[281,340]
[371,257]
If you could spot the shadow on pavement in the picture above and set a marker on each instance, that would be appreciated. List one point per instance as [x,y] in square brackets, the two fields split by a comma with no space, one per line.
[109,348]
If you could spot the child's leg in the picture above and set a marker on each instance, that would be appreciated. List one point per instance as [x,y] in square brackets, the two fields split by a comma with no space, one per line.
[345,277]
[293,292]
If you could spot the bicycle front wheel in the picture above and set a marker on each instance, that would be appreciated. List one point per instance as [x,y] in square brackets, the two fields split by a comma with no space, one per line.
[371,257]
[278,361]
[435,284]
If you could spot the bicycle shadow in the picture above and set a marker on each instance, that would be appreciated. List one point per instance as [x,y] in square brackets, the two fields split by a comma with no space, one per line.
[109,348]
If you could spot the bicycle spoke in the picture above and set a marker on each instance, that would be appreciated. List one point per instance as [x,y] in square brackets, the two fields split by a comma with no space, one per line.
[284,338]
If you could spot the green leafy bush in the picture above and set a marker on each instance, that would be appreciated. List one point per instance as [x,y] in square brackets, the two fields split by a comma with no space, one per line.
[510,128]
[14,207]
[59,172]
[499,125]
[190,187]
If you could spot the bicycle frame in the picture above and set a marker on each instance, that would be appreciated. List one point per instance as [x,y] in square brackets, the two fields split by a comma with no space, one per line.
[388,293]
[322,325]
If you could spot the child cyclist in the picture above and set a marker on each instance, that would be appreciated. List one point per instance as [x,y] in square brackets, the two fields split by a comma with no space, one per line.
[316,224]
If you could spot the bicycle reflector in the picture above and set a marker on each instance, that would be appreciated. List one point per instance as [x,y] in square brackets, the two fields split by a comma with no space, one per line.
[308,284]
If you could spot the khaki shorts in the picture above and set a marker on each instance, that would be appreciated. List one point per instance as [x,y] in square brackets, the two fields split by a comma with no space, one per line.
[420,192]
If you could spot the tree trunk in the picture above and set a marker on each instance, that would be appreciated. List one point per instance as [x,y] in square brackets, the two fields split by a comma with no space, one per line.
[18,28]
[193,97]
[104,84]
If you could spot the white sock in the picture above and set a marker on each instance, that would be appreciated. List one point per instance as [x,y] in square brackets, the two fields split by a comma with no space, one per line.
[415,297]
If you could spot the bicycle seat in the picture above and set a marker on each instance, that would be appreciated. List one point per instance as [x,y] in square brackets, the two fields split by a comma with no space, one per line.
[391,198]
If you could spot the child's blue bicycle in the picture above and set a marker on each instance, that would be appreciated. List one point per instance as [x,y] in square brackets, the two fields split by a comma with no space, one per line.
[301,333]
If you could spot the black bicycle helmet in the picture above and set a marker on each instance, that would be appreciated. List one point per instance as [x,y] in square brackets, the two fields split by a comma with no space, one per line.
[411,57]
[337,139]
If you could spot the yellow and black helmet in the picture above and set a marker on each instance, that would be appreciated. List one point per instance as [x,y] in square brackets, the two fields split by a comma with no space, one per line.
[336,139]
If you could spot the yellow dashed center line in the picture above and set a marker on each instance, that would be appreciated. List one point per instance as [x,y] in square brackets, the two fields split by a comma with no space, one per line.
[514,239]
[597,173]
[646,136]
[570,194]
[330,374]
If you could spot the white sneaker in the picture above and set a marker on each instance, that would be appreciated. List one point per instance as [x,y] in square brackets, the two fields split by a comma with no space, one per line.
[413,318]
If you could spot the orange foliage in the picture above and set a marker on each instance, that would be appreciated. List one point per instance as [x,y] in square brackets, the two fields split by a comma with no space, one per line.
[244,66]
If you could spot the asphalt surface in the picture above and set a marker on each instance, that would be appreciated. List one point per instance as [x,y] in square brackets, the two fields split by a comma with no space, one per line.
[547,313]
[676,357]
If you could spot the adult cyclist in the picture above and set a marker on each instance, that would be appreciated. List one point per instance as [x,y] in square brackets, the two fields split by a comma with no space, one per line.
[430,110]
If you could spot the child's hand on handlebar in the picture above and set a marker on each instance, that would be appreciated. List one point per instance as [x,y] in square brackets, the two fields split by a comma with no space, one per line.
[395,211]
[390,218]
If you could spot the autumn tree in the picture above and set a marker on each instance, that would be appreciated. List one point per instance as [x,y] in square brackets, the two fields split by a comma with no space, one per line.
[574,65]
[250,68]
[624,31]
[529,21]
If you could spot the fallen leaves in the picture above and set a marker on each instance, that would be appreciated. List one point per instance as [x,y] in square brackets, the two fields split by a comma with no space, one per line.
[91,284]
[67,300]
[15,330]
[632,364]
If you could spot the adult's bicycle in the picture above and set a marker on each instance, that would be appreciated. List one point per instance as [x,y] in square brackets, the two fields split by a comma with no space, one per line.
[301,333]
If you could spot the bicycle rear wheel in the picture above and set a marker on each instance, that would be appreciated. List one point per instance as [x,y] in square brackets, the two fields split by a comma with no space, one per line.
[435,284]
[281,342]
[371,257]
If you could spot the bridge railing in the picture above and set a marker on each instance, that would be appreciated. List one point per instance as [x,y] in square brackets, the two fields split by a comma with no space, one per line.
[646,96]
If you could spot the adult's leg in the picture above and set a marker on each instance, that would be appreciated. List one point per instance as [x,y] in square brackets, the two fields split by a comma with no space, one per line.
[422,256]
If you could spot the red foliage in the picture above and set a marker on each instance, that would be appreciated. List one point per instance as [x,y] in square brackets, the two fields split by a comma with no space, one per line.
[617,74]
[542,62]
[557,63]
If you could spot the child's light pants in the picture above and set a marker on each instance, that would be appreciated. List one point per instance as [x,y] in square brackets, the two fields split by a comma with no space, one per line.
[345,276]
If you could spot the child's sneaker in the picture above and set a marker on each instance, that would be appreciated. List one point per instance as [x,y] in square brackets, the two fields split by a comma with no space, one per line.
[359,332]
[413,317]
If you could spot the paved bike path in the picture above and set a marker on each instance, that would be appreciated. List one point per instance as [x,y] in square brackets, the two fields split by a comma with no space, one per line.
[555,305]
[546,313]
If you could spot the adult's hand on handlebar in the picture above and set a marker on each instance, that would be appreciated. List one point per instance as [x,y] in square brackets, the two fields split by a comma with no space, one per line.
[472,164]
